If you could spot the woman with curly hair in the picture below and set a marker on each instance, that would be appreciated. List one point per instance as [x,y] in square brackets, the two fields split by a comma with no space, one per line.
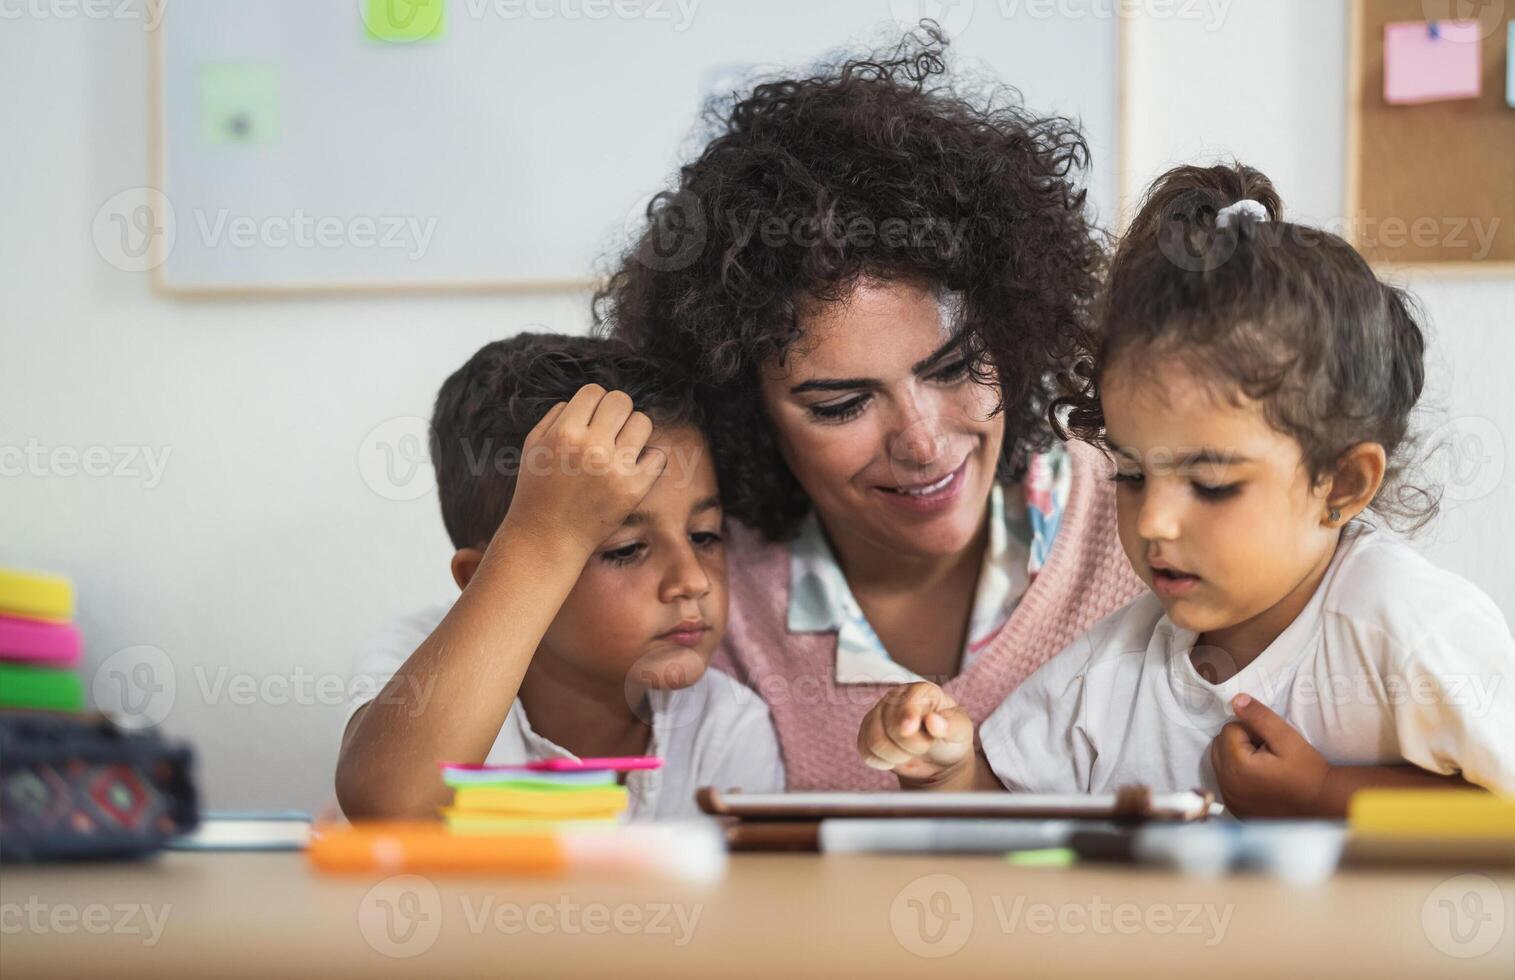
[875,280]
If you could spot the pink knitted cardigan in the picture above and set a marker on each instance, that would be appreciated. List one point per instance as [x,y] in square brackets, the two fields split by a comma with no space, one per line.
[1085,578]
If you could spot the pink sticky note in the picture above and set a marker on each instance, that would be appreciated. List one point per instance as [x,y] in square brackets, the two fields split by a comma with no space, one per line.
[33,641]
[1432,62]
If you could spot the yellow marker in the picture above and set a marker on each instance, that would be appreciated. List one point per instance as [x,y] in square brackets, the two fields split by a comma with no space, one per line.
[35,595]
[1443,814]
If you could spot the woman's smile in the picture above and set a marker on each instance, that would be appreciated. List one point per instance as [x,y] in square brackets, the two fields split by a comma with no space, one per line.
[928,497]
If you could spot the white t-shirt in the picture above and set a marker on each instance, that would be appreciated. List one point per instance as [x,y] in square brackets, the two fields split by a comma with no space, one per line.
[715,732]
[1394,660]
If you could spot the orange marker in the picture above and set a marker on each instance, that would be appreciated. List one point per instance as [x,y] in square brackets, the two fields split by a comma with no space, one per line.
[691,851]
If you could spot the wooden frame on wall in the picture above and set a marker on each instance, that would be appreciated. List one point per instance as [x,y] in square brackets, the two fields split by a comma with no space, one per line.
[1122,122]
[1481,133]
[157,133]
[161,284]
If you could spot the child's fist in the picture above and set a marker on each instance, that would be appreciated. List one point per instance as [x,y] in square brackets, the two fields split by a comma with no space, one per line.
[585,467]
[919,733]
[1264,766]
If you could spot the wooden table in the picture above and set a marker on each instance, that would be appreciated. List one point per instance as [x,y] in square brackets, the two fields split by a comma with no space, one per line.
[783,915]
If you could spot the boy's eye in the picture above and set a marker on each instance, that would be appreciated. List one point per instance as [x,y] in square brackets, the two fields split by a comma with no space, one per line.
[1129,478]
[1226,492]
[623,555]
[840,411]
[705,539]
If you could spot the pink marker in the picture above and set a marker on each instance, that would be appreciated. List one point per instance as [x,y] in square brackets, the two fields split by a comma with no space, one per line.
[619,764]
[616,764]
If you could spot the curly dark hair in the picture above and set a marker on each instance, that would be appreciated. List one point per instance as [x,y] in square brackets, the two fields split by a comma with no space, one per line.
[1289,316]
[486,409]
[873,168]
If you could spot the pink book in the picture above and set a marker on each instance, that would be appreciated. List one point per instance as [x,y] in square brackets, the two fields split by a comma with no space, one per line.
[1439,61]
[36,642]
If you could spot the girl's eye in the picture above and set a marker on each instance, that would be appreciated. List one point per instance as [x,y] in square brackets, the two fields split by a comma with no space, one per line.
[624,555]
[1217,493]
[1133,479]
[955,371]
[840,411]
[705,539]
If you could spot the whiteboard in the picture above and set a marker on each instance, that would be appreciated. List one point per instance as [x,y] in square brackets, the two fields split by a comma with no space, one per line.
[518,146]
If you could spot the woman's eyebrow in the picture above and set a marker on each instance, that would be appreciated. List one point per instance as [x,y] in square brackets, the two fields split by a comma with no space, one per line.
[922,366]
[851,384]
[833,384]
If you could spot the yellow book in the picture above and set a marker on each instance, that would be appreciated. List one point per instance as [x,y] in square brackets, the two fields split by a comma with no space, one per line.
[598,801]
[35,595]
[471,822]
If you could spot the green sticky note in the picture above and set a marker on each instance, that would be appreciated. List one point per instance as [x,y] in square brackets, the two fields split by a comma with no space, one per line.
[1050,857]
[240,104]
[40,687]
[403,21]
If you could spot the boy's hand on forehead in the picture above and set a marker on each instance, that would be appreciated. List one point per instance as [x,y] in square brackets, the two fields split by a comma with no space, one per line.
[585,467]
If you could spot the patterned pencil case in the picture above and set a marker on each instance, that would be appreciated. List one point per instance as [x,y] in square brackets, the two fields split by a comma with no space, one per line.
[79,787]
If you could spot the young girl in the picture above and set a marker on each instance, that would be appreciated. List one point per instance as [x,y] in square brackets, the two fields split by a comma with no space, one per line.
[1253,382]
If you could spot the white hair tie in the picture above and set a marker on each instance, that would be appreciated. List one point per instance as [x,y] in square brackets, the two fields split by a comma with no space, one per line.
[1225,217]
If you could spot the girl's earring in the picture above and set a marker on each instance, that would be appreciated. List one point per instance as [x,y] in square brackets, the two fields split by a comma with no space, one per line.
[1335,516]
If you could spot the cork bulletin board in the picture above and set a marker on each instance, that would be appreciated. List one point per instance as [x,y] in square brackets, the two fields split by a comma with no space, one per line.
[1431,184]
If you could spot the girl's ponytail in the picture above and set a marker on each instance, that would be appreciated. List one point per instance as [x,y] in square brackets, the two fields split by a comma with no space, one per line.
[1179,213]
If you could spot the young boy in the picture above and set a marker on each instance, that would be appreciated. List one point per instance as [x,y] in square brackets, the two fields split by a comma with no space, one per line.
[582,501]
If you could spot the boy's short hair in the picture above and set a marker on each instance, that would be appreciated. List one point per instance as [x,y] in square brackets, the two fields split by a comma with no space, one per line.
[486,408]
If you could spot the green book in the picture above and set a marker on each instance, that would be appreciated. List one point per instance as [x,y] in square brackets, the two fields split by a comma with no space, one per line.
[40,687]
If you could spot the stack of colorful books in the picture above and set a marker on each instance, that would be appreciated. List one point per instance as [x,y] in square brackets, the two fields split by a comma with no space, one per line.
[39,645]
[579,795]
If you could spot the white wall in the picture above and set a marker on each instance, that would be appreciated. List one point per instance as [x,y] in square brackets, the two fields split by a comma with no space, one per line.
[264,553]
